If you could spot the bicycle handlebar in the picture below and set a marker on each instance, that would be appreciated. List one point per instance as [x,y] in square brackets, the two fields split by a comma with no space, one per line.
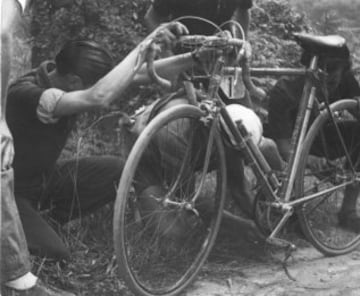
[217,42]
[210,41]
[164,83]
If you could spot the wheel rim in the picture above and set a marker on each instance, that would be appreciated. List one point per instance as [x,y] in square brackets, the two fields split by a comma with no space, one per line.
[167,237]
[321,215]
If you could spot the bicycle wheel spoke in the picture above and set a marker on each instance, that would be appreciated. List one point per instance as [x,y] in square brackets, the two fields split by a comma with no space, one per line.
[163,249]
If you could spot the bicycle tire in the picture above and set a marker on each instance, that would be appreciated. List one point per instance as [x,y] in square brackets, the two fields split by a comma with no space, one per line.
[140,244]
[319,217]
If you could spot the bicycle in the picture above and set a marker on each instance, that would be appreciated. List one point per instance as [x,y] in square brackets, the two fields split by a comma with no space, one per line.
[184,148]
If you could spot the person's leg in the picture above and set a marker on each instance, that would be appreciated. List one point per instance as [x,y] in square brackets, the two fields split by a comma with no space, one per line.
[14,250]
[79,187]
[239,187]
[271,153]
[162,159]
[166,151]
[14,256]
[162,162]
[42,240]
[348,215]
[16,277]
[283,106]
[284,146]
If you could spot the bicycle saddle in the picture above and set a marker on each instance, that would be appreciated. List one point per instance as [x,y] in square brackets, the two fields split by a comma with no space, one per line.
[333,45]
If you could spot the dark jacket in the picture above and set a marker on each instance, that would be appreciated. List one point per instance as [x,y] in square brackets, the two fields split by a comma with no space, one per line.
[284,100]
[37,145]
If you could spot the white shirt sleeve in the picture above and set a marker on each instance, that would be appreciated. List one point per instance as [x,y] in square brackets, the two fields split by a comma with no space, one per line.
[47,104]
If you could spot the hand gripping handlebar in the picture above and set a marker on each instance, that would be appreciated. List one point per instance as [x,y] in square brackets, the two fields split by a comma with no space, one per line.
[192,42]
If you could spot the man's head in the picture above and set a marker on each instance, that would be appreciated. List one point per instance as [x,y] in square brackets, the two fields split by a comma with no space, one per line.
[334,63]
[335,68]
[83,63]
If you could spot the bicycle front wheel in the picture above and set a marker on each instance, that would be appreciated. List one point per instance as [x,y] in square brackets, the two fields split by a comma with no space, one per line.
[329,171]
[169,202]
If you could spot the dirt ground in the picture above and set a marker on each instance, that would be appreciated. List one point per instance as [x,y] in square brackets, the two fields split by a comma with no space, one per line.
[246,268]
[239,265]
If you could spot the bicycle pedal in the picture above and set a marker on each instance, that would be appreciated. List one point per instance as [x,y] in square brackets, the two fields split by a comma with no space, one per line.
[281,243]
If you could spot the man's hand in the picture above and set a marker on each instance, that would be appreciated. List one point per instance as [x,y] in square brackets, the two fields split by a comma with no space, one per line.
[161,39]
[166,34]
[7,147]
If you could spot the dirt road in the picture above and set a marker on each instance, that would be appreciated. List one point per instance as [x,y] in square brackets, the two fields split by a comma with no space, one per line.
[249,269]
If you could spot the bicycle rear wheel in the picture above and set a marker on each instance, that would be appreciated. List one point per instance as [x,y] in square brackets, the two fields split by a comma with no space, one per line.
[162,235]
[337,169]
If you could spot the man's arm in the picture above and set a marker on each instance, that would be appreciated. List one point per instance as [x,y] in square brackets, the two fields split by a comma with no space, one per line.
[112,85]
[242,16]
[168,68]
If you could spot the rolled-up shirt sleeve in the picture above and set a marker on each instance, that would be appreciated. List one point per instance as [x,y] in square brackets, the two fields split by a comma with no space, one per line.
[47,104]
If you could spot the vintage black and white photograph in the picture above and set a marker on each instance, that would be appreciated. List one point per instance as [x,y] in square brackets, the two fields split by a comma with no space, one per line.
[176,147]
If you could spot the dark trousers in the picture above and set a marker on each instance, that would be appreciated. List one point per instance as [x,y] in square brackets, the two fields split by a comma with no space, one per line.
[169,147]
[74,189]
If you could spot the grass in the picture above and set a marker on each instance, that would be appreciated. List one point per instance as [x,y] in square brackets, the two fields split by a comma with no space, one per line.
[92,268]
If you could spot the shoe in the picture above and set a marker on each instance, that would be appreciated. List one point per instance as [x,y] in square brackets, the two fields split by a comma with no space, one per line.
[38,290]
[350,221]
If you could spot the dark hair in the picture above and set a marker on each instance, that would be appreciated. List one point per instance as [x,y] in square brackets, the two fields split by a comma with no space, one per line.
[87,59]
[341,54]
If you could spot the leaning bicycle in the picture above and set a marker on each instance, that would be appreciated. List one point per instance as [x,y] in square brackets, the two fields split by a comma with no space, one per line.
[172,192]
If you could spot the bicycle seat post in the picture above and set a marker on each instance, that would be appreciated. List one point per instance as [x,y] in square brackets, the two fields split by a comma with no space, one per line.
[302,120]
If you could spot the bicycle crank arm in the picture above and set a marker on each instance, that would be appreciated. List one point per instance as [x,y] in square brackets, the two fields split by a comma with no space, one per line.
[281,243]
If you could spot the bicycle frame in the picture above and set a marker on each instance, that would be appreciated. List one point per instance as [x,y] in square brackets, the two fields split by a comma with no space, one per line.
[144,232]
[280,192]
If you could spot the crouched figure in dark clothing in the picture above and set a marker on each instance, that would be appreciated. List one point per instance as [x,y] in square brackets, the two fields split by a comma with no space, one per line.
[284,101]
[41,111]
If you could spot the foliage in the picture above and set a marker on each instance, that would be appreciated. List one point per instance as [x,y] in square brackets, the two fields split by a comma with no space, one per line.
[336,17]
[113,23]
[345,11]
[277,17]
[273,23]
